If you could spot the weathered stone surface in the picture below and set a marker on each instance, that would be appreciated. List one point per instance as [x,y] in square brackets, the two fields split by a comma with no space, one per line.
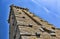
[25,25]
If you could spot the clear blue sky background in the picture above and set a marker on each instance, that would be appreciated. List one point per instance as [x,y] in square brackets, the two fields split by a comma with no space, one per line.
[49,10]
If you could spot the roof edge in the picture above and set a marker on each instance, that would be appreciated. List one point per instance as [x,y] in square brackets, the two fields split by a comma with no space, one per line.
[12,5]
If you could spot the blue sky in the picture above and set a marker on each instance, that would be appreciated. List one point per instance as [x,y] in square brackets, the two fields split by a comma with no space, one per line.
[49,10]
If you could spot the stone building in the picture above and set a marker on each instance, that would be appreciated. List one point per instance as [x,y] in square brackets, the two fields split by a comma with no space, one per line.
[25,25]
